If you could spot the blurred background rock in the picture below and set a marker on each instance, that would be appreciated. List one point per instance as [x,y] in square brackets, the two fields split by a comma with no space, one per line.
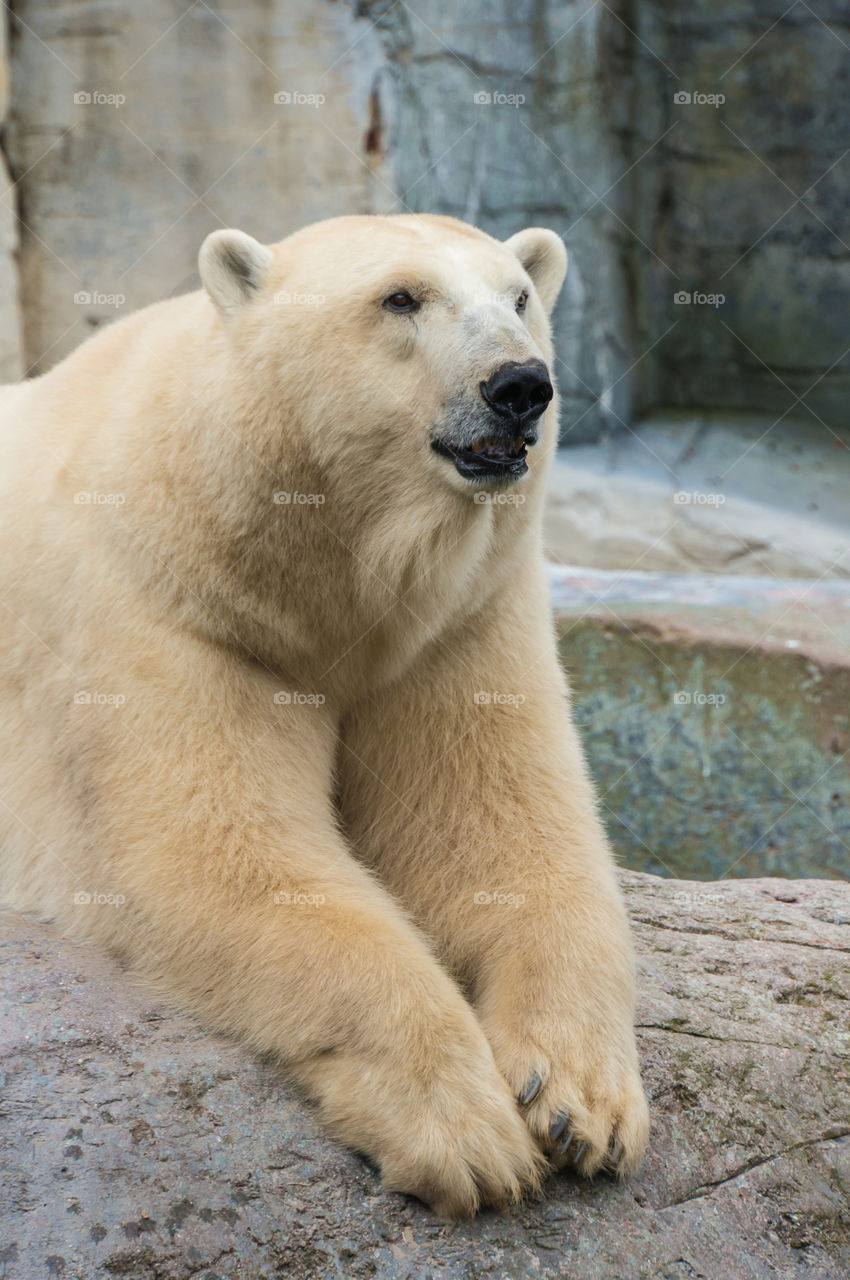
[696,161]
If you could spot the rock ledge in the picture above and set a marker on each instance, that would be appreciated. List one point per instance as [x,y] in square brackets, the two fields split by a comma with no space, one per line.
[134,1144]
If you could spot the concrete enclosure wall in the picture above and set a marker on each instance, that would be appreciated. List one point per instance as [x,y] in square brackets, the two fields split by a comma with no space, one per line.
[700,152]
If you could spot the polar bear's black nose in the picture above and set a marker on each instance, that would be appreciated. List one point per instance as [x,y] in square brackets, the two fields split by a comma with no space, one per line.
[519,390]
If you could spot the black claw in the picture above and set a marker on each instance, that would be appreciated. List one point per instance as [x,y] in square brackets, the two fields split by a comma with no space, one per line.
[531,1090]
[616,1151]
[579,1152]
[558,1125]
[564,1146]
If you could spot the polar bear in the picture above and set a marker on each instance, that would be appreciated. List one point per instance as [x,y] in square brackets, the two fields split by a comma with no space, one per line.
[283,723]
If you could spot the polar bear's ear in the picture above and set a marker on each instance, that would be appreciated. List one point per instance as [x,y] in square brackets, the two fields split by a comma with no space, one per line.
[233,267]
[544,257]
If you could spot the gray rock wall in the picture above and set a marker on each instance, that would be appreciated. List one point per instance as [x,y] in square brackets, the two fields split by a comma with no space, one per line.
[747,199]
[552,111]
[134,130]
[517,115]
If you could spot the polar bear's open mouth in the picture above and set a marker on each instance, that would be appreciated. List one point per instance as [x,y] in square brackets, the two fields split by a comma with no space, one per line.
[489,458]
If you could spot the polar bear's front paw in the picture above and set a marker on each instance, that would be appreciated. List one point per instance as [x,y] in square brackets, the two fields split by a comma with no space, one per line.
[580,1093]
[481,1155]
[441,1125]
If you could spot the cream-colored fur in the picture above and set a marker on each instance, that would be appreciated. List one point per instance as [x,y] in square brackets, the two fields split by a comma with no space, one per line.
[250,731]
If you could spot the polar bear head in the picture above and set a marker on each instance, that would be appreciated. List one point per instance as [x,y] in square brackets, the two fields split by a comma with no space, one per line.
[406,345]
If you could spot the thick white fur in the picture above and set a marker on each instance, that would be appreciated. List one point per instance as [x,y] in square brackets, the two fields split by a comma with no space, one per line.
[307,874]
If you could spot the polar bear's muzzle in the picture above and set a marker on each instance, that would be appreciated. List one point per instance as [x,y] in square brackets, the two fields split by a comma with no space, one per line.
[494,440]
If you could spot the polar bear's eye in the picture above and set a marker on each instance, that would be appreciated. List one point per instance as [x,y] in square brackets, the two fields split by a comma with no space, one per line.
[401,301]
[521,301]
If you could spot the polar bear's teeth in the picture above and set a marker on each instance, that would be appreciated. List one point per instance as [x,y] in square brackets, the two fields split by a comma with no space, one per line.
[490,444]
[498,450]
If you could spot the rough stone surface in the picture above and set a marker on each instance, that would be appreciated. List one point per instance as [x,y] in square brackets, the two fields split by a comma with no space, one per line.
[117,195]
[136,1145]
[715,712]
[704,494]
